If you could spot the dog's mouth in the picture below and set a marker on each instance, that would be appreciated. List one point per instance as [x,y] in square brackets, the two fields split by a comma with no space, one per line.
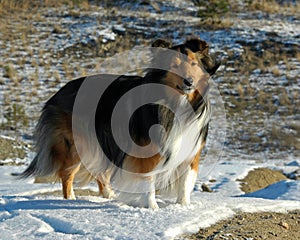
[189,89]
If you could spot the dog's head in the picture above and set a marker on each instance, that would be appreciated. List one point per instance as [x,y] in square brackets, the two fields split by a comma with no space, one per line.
[189,66]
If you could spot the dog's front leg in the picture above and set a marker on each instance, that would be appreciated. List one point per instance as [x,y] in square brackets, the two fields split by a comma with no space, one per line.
[185,186]
[151,195]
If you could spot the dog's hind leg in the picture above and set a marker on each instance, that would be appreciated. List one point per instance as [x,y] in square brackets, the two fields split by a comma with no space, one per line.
[64,154]
[67,178]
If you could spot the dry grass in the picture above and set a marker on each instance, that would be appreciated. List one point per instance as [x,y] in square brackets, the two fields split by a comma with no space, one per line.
[57,76]
[17,30]
[20,6]
[216,22]
[11,149]
[9,71]
[267,61]
[16,16]
[275,71]
[272,6]
[298,56]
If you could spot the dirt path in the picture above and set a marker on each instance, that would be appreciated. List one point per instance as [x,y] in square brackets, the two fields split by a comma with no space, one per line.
[263,225]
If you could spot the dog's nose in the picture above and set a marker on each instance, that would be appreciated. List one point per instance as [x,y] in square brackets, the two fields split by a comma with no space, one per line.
[188,82]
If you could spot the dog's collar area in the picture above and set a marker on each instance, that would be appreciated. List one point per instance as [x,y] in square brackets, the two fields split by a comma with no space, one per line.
[186,89]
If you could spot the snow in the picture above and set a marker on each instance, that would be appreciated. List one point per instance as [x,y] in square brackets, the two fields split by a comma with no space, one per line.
[25,213]
[284,190]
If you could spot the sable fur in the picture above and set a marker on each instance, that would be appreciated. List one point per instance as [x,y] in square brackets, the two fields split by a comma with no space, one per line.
[57,155]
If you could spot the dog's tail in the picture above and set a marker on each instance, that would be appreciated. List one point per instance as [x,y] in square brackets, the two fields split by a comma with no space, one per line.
[46,136]
[31,169]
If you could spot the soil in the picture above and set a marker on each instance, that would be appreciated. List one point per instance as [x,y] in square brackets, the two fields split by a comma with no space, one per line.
[264,225]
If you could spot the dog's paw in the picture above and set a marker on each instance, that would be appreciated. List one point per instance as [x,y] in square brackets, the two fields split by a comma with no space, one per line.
[153,205]
[183,201]
[71,196]
[109,193]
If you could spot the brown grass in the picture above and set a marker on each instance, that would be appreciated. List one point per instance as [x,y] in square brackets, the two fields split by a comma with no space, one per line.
[16,16]
[272,6]
[216,22]
[21,6]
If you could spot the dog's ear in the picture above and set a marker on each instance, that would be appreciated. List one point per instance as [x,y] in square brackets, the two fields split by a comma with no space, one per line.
[201,49]
[212,68]
[161,43]
[197,45]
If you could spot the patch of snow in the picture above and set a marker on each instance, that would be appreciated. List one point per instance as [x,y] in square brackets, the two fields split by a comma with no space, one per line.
[282,190]
[27,214]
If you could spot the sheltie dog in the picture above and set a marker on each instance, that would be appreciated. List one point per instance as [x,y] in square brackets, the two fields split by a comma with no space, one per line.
[171,164]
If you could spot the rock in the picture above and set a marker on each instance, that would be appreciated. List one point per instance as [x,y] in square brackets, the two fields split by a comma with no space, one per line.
[284,225]
[119,29]
[205,188]
[295,175]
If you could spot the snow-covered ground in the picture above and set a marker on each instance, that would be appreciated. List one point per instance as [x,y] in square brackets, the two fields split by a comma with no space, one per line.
[25,213]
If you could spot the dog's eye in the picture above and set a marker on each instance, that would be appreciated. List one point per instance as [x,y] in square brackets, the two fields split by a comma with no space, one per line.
[194,64]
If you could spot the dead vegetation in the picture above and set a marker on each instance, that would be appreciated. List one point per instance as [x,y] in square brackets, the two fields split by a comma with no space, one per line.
[24,26]
[11,150]
[25,6]
[272,6]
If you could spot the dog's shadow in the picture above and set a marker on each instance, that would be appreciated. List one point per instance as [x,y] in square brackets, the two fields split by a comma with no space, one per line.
[45,204]
[11,204]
